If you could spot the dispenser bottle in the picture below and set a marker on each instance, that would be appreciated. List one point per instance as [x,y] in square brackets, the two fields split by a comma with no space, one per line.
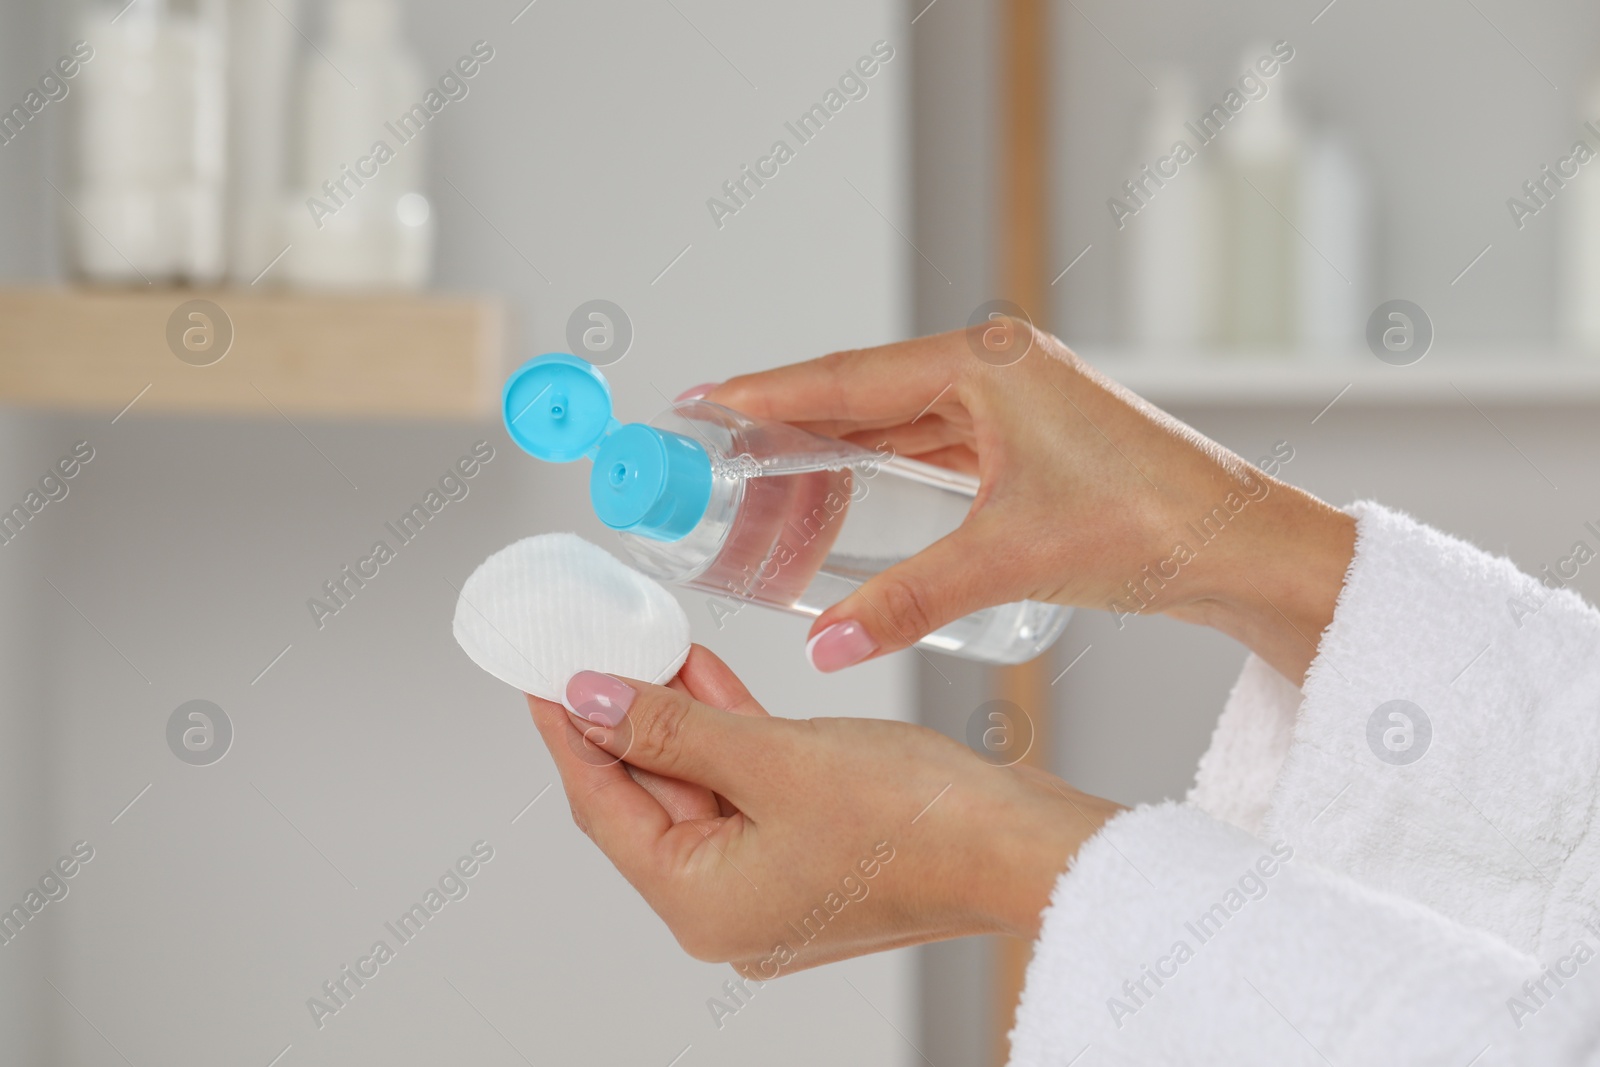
[748,511]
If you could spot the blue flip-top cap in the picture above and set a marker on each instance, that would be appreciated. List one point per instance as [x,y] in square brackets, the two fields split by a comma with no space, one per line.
[557,407]
[645,481]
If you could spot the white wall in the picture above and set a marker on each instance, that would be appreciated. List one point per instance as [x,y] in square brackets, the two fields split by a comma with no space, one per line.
[374,753]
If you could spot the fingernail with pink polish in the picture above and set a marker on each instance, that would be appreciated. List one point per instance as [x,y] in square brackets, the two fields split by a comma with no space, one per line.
[599,698]
[839,646]
[696,392]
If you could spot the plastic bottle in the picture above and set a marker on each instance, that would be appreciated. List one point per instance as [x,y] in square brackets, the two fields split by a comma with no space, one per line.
[1581,245]
[1262,149]
[752,511]
[151,144]
[1331,272]
[358,217]
[1174,260]
[261,65]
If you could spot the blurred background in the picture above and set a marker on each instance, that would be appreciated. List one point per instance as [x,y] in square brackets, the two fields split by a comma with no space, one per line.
[264,263]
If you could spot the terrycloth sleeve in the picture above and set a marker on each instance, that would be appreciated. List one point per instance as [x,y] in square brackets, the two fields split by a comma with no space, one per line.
[1447,748]
[1436,785]
[1235,778]
[1178,939]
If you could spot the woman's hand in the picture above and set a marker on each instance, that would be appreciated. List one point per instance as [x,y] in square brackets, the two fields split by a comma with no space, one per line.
[1089,497]
[780,844]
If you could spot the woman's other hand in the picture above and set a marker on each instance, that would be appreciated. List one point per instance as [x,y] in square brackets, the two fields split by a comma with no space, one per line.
[780,844]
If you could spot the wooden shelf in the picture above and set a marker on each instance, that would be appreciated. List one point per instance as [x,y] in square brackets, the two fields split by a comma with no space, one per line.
[402,355]
[1523,377]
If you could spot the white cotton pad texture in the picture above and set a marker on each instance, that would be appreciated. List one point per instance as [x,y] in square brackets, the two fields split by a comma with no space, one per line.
[539,611]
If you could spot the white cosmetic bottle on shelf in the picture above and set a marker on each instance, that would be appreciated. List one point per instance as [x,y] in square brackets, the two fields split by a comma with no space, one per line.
[1172,266]
[150,146]
[357,216]
[1580,268]
[1331,276]
[1262,157]
[261,64]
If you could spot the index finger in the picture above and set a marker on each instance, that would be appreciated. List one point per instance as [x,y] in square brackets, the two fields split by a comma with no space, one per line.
[866,388]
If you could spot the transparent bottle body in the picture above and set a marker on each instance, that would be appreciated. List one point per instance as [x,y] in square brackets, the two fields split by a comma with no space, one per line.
[798,521]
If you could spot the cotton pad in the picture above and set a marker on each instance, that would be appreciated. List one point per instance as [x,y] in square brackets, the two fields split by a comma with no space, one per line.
[539,611]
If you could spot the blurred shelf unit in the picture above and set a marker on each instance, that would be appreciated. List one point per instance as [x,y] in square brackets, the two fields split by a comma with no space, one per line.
[1219,379]
[260,354]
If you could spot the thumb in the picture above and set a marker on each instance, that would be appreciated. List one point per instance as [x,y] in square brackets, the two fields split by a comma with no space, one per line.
[668,732]
[952,577]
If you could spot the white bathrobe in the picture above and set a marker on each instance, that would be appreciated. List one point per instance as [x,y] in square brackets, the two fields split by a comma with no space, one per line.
[1347,885]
